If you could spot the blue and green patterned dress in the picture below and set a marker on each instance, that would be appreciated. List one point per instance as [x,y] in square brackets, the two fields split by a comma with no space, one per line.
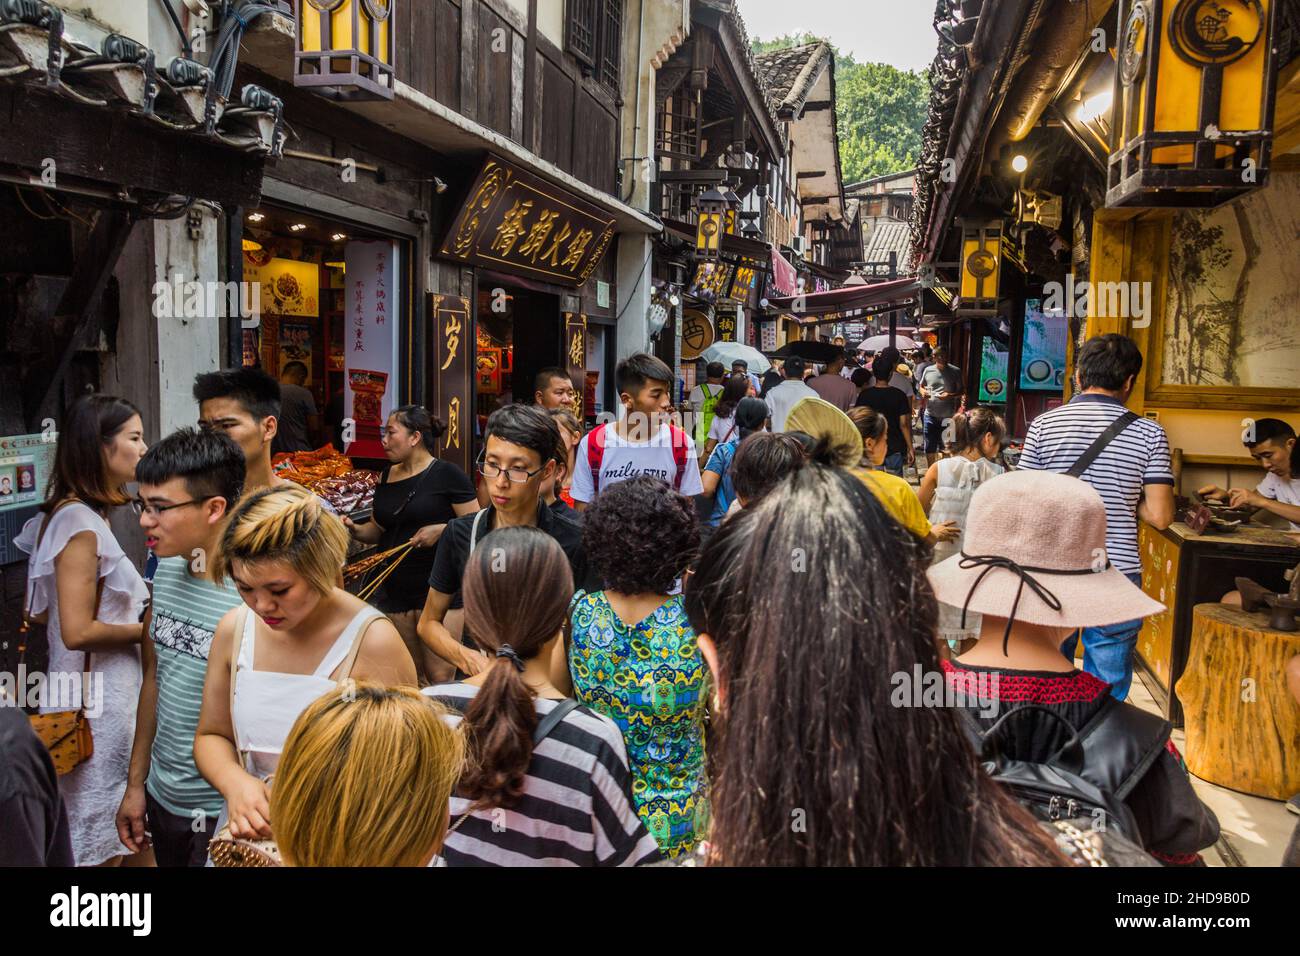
[650,679]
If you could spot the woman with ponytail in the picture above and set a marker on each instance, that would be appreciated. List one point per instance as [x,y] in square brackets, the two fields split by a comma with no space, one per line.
[547,781]
[299,636]
[946,491]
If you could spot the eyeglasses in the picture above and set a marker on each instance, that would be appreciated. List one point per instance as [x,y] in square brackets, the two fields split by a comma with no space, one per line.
[142,507]
[516,475]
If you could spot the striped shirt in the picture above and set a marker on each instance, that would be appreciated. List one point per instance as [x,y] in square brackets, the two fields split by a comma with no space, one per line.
[1138,456]
[576,809]
[186,611]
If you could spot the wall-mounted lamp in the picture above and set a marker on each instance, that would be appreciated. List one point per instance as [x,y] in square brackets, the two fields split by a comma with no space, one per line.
[1020,162]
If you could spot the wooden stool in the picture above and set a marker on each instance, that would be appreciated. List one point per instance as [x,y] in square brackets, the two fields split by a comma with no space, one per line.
[1242,724]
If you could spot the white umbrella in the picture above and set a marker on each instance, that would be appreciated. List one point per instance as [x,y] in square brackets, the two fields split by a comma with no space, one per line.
[878,342]
[729,352]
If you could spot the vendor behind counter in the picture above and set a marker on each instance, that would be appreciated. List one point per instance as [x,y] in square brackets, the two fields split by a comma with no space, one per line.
[1272,443]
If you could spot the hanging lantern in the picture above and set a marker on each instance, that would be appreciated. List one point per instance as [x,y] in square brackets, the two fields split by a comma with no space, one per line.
[711,209]
[981,267]
[1193,101]
[345,48]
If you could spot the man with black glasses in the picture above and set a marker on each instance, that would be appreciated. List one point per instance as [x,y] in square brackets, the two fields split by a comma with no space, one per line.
[519,454]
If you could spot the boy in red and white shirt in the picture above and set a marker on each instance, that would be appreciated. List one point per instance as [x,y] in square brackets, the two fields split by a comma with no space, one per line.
[643,442]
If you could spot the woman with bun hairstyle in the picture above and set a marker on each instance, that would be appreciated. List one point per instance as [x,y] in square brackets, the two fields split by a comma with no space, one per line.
[547,780]
[297,637]
[365,780]
[415,498]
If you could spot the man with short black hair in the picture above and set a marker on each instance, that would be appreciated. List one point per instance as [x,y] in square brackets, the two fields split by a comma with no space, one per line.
[941,386]
[1271,442]
[244,403]
[189,482]
[643,442]
[782,398]
[298,424]
[833,387]
[553,388]
[520,449]
[740,365]
[702,399]
[894,405]
[1126,459]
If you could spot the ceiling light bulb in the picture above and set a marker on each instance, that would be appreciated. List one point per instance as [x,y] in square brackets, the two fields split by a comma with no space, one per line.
[339,236]
[298,227]
[1020,163]
[256,216]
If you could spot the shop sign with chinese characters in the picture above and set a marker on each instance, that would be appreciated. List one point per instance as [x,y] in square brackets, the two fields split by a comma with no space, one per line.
[517,222]
[370,337]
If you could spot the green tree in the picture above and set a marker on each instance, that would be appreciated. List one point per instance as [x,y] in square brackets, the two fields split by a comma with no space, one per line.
[880,111]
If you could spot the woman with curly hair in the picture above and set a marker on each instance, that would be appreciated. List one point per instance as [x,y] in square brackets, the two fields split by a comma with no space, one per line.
[633,656]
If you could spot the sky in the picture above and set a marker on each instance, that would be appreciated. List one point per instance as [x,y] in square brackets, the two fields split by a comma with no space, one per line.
[897,32]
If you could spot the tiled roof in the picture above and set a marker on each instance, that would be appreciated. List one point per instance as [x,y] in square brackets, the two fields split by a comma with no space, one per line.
[888,237]
[791,73]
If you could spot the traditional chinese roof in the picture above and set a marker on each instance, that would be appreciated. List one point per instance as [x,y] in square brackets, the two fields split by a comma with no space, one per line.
[728,11]
[887,237]
[790,74]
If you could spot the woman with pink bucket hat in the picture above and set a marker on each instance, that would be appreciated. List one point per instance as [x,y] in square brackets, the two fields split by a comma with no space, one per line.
[1035,589]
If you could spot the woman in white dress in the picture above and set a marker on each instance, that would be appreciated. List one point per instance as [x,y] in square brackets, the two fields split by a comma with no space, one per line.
[298,637]
[91,598]
[945,494]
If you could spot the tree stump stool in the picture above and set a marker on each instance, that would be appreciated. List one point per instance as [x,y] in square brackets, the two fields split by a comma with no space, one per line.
[1242,724]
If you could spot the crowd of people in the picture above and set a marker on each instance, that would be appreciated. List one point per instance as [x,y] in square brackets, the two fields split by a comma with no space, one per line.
[623,646]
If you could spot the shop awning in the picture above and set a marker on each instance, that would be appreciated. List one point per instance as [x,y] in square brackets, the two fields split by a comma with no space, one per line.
[876,297]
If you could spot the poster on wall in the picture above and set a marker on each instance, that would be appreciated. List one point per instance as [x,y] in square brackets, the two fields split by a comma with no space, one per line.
[289,287]
[370,342]
[1042,363]
[295,346]
[26,462]
[993,372]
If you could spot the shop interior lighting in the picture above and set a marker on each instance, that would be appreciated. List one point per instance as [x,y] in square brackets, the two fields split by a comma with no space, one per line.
[251,245]
[339,236]
[340,265]
[256,216]
[298,227]
[1020,163]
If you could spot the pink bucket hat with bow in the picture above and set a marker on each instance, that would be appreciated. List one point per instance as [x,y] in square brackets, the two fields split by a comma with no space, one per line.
[1034,550]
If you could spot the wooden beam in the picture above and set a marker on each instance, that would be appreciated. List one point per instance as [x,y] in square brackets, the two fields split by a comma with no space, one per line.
[813,174]
[815,106]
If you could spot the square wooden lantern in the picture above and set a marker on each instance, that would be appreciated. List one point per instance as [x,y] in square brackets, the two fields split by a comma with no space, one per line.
[711,210]
[345,48]
[981,266]
[1194,93]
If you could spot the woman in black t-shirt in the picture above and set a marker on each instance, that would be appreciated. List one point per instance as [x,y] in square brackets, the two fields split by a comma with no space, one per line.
[416,498]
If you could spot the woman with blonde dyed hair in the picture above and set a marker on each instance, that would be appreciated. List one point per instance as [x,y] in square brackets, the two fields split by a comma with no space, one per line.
[298,635]
[365,780]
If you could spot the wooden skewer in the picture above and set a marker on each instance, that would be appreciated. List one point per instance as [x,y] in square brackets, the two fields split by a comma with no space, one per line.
[365,564]
[373,586]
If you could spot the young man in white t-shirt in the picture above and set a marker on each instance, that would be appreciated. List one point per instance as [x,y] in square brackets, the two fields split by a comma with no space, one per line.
[643,442]
[1270,442]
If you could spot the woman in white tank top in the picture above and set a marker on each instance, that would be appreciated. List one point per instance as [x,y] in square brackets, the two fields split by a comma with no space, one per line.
[946,491]
[300,636]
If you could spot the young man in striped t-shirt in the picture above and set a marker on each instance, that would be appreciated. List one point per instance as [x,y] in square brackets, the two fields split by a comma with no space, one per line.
[1133,475]
[189,481]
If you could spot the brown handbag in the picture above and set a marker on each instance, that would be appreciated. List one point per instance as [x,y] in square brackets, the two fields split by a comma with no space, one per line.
[65,734]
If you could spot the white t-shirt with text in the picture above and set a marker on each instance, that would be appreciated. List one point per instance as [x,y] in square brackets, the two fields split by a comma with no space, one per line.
[623,459]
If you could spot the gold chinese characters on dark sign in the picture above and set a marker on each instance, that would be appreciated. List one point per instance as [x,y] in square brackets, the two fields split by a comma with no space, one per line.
[515,221]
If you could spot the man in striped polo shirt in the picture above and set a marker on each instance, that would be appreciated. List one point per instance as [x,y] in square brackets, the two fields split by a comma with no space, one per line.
[189,481]
[1132,473]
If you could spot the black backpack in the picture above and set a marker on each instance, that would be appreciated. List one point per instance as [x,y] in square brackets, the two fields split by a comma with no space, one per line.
[1088,778]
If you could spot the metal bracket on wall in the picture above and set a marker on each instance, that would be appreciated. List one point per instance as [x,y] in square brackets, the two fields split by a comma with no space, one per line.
[194,224]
